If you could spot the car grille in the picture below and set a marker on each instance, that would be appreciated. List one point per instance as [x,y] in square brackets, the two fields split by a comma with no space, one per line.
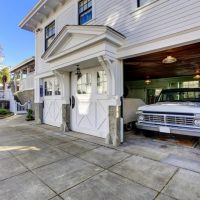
[169,119]
[154,118]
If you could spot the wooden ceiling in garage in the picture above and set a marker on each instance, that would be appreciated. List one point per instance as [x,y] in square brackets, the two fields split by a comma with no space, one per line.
[151,67]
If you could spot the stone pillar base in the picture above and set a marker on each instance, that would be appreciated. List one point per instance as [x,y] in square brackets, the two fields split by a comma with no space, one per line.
[65,127]
[114,126]
[38,113]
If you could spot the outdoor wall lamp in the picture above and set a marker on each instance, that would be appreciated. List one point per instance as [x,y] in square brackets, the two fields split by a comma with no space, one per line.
[78,72]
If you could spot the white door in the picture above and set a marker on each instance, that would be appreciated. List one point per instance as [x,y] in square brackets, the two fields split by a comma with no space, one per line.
[52,111]
[89,103]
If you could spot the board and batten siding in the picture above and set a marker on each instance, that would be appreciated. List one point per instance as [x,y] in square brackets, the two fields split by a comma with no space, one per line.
[159,19]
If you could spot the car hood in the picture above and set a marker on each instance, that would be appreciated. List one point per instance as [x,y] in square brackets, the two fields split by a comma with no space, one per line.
[186,107]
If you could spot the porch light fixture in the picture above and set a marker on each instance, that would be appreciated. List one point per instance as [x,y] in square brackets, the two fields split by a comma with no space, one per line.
[78,72]
[169,60]
[197,76]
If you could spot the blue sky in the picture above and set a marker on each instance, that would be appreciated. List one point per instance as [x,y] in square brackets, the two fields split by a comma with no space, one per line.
[17,44]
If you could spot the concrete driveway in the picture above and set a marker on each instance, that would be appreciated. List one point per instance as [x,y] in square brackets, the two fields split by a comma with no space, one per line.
[40,163]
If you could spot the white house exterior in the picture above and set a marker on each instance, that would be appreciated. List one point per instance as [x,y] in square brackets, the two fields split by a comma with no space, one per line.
[96,36]
[23,81]
[23,75]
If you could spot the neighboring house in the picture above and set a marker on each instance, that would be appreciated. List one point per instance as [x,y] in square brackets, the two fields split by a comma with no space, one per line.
[84,47]
[23,80]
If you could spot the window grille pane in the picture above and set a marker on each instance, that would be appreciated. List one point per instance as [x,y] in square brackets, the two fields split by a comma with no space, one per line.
[101,82]
[85,11]
[84,84]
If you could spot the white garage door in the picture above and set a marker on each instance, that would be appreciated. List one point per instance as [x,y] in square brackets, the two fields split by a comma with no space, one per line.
[52,112]
[90,103]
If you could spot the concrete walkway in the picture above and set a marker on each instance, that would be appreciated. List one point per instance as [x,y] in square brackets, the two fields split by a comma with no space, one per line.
[40,163]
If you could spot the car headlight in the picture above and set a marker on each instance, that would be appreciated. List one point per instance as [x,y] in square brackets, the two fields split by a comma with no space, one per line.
[141,118]
[197,122]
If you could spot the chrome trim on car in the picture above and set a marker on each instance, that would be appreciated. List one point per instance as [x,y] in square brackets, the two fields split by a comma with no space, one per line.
[169,119]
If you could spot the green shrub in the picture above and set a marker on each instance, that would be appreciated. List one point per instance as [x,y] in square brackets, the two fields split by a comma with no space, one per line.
[29,116]
[3,111]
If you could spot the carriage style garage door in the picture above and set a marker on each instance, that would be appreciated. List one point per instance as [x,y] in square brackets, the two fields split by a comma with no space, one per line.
[89,101]
[52,112]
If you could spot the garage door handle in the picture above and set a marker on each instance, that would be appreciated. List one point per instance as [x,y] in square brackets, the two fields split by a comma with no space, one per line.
[73,102]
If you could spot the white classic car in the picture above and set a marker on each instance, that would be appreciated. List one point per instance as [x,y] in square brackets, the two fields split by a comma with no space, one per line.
[177,111]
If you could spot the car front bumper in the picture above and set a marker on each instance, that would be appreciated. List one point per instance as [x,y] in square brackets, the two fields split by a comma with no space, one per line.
[172,129]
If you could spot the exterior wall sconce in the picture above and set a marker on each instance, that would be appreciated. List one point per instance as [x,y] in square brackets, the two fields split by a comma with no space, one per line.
[78,72]
[169,60]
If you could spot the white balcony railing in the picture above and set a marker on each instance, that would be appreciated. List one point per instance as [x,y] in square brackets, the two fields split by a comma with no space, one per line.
[27,83]
[4,95]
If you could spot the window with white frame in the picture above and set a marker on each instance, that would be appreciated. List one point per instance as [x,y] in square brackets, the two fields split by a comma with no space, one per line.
[84,84]
[57,89]
[143,2]
[84,11]
[102,85]
[48,88]
[49,34]
[190,84]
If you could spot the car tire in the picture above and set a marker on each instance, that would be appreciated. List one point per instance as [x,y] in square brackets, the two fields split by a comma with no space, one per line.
[129,126]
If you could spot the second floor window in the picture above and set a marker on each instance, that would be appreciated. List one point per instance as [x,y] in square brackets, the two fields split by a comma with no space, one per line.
[84,11]
[49,34]
[143,2]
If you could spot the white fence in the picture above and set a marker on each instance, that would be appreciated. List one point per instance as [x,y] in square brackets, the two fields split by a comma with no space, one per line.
[5,95]
[21,109]
[15,107]
[27,83]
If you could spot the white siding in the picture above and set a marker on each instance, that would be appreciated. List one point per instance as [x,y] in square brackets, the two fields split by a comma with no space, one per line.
[139,25]
[159,19]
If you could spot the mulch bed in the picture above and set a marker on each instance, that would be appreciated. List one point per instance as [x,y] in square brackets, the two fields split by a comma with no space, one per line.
[6,116]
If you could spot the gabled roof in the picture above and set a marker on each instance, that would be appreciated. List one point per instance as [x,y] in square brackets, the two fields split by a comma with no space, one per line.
[95,34]
[23,64]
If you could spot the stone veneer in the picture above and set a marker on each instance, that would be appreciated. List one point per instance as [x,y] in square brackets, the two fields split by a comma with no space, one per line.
[114,126]
[25,96]
[38,113]
[65,118]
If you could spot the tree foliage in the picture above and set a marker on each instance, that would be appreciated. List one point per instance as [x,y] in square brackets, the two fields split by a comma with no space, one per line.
[4,75]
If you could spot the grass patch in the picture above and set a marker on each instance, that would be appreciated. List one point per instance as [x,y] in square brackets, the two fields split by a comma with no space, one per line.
[3,111]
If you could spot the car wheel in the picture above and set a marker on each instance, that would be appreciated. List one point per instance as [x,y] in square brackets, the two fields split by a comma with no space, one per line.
[129,126]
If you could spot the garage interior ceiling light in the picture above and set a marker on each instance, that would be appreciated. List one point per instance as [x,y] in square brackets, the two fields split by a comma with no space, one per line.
[197,76]
[147,82]
[169,60]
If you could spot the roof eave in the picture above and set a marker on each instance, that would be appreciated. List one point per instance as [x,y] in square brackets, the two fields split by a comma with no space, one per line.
[22,64]
[27,18]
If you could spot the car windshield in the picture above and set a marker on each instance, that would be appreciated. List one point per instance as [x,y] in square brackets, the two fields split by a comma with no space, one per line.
[179,96]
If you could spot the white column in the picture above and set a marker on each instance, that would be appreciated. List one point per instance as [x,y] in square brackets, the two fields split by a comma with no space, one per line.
[38,85]
[28,70]
[21,74]
[15,82]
